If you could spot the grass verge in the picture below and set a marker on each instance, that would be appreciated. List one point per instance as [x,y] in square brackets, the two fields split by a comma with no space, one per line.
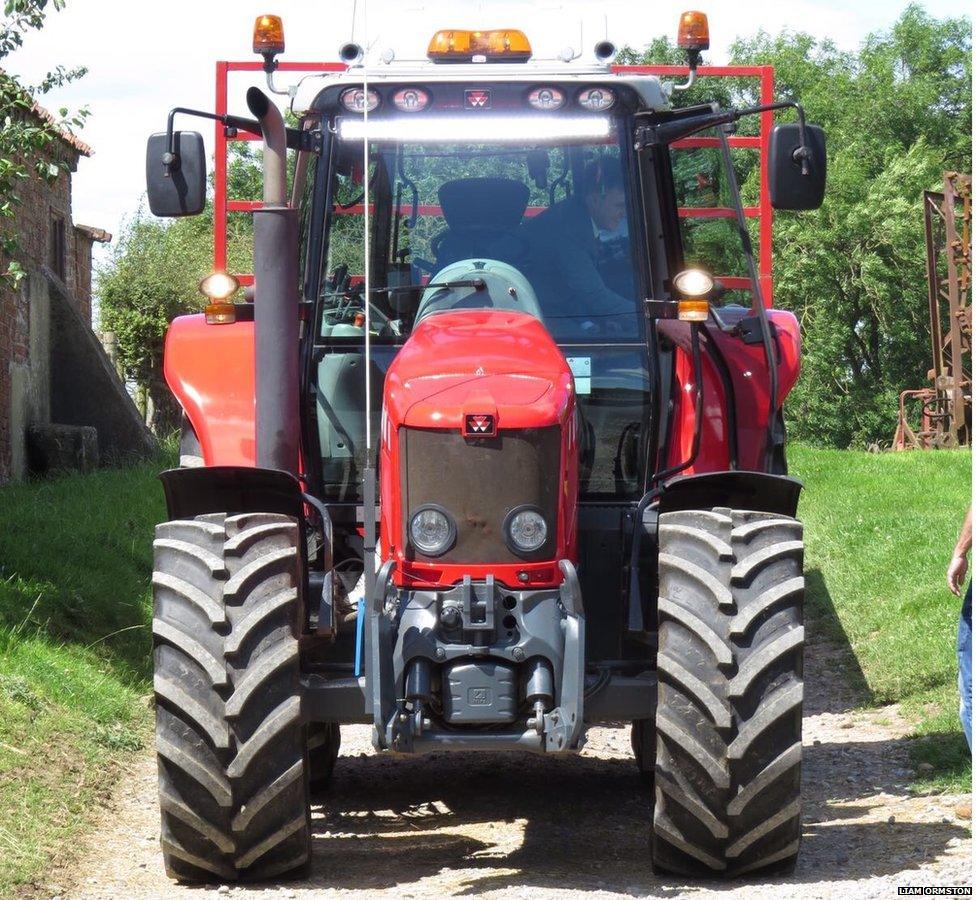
[75,560]
[880,529]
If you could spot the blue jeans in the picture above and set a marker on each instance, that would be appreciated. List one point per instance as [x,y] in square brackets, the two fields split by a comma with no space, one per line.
[964,650]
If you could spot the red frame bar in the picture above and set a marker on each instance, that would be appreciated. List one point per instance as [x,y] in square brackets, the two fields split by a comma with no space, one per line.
[222,205]
[764,212]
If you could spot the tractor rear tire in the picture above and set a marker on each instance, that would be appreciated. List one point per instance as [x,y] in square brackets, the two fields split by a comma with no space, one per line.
[230,740]
[643,742]
[729,711]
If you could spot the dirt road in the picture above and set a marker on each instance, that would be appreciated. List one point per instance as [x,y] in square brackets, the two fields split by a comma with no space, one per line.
[507,826]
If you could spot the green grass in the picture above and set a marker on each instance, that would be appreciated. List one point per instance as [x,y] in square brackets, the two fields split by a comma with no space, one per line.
[880,529]
[75,558]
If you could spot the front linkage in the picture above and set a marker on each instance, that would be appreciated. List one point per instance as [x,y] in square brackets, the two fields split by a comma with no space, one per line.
[463,631]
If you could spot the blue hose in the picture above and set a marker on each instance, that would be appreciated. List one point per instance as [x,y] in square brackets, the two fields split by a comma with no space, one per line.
[360,629]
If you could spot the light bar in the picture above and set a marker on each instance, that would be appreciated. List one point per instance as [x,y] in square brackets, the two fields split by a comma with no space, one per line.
[462,129]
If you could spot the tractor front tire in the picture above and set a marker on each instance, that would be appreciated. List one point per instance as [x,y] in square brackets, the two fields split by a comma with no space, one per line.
[230,741]
[729,711]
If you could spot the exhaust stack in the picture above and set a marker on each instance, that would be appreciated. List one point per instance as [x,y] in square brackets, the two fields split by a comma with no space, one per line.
[276,301]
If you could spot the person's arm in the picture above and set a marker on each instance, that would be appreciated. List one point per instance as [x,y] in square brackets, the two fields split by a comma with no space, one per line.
[959,564]
[587,287]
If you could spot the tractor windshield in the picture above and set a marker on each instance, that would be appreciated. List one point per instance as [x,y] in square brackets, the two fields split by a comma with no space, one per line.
[486,222]
[468,225]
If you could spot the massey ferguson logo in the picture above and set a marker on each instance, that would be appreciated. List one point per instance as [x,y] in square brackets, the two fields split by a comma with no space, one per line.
[477,99]
[479,425]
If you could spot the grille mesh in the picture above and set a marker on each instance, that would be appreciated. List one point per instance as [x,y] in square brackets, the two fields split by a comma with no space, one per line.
[479,480]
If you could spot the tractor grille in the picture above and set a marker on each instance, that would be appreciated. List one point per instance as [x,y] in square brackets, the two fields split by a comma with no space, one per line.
[479,480]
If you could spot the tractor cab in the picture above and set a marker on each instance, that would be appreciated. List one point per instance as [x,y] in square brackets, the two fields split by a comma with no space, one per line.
[484,458]
[483,194]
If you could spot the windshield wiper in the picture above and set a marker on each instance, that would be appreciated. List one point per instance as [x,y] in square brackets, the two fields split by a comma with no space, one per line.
[479,284]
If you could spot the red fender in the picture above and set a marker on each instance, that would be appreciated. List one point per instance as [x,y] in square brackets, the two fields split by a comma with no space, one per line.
[210,370]
[747,367]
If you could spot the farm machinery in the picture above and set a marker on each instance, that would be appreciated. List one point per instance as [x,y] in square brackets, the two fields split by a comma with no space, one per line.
[481,457]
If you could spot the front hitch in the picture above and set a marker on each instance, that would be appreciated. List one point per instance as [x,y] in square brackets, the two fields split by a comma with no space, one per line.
[398,727]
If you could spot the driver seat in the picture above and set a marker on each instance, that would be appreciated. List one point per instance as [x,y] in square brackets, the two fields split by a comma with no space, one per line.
[483,216]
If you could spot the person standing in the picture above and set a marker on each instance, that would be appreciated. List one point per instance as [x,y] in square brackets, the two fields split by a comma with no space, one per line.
[956,574]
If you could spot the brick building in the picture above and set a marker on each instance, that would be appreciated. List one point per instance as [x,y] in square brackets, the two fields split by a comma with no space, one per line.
[56,254]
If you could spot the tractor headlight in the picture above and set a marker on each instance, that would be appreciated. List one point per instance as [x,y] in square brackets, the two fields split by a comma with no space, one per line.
[525,529]
[432,530]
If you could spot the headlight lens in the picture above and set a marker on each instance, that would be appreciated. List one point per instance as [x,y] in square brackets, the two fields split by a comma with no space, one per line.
[526,529]
[432,530]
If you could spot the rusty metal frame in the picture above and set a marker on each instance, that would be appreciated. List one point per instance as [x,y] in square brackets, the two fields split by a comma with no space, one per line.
[946,406]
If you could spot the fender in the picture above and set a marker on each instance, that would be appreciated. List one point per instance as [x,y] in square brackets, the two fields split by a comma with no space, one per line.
[750,385]
[756,491]
[231,490]
[210,370]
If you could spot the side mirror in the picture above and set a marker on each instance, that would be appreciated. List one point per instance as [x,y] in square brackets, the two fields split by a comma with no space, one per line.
[176,182]
[789,188]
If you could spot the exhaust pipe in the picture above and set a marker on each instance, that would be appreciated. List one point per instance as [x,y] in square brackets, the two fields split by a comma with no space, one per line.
[276,302]
[275,148]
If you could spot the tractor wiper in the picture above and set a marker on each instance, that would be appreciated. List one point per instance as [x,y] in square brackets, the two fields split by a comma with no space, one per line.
[477,283]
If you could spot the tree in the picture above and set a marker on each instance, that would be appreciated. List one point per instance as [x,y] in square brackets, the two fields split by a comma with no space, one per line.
[27,138]
[896,113]
[153,275]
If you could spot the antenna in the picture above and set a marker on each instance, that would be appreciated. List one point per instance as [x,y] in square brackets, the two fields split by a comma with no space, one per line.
[369,474]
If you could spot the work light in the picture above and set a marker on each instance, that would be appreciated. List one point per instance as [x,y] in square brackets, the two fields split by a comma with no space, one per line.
[695,285]
[357,100]
[218,286]
[432,530]
[473,128]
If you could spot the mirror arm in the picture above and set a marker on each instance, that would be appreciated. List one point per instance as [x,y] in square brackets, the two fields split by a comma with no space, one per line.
[669,132]
[802,153]
[296,138]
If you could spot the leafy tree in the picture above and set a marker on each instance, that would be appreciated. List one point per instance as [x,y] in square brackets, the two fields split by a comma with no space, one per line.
[27,141]
[153,274]
[896,113]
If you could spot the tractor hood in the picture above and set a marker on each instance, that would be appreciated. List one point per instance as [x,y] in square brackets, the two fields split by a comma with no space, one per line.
[478,362]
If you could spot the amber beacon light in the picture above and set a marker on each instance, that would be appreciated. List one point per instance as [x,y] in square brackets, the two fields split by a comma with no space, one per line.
[498,45]
[693,31]
[269,36]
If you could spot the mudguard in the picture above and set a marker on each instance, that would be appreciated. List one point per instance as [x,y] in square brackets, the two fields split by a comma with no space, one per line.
[231,490]
[754,491]
[210,370]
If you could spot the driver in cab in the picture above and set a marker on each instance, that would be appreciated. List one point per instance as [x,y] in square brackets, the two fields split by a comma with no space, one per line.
[581,257]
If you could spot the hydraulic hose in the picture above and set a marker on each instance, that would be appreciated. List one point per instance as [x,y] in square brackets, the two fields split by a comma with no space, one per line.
[758,303]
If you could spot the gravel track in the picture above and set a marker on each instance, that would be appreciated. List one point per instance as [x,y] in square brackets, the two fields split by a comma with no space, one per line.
[521,826]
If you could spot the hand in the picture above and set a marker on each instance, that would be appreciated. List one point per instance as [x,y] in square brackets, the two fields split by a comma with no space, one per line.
[958,567]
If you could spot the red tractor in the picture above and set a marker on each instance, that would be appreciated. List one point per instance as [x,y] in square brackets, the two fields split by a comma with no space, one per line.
[483,460]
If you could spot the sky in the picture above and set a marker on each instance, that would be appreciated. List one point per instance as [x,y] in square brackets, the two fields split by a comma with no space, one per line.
[145,58]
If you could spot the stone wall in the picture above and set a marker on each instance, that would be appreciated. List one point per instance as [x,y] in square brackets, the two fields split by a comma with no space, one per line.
[47,237]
